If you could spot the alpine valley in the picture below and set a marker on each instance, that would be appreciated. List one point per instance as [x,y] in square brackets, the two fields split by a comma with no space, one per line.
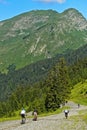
[31,44]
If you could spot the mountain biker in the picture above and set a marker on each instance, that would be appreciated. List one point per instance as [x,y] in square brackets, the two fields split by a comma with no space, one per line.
[35,115]
[78,105]
[66,113]
[23,115]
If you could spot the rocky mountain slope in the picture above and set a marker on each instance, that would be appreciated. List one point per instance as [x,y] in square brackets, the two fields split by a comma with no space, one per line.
[40,34]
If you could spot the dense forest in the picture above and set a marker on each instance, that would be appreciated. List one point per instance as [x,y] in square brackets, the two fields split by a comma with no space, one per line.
[35,72]
[49,93]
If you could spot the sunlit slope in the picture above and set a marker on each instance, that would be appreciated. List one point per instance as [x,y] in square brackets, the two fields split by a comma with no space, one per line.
[79,93]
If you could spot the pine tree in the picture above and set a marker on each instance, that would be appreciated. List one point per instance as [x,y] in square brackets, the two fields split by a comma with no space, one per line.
[59,86]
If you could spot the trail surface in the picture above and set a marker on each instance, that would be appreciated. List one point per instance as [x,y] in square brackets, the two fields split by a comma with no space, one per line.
[53,122]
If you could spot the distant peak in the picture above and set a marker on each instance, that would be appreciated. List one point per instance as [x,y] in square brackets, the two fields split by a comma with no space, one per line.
[73,11]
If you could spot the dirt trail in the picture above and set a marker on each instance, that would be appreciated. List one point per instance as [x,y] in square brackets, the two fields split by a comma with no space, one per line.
[53,122]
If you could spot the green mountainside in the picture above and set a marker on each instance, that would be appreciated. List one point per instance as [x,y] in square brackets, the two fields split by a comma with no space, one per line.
[38,71]
[79,93]
[46,95]
[45,56]
[40,34]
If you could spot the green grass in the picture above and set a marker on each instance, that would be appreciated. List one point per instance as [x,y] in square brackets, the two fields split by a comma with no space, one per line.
[9,118]
[85,117]
[83,114]
[79,93]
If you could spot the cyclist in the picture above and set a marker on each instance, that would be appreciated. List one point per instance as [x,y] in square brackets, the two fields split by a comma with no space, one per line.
[35,115]
[23,115]
[66,113]
[78,105]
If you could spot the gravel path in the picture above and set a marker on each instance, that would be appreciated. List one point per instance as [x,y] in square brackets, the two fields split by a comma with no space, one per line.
[53,122]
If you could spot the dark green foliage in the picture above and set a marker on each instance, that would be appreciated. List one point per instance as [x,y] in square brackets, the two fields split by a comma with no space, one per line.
[31,96]
[23,77]
[78,71]
[11,68]
[48,94]
[59,86]
[38,71]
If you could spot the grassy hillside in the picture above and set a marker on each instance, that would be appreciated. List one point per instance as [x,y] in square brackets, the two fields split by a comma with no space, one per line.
[79,93]
[40,34]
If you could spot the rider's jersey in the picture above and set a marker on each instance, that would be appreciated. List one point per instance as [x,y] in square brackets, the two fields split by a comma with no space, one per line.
[66,111]
[23,112]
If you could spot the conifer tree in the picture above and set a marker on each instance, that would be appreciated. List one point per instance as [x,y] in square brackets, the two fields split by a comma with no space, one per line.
[59,86]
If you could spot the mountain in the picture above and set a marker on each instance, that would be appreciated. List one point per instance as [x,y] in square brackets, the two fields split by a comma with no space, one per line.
[40,34]
[38,71]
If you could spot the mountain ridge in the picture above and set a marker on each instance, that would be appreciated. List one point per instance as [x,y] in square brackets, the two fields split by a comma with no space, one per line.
[40,34]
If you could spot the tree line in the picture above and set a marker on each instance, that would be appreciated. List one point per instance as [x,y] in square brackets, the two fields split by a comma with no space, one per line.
[49,93]
[35,72]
